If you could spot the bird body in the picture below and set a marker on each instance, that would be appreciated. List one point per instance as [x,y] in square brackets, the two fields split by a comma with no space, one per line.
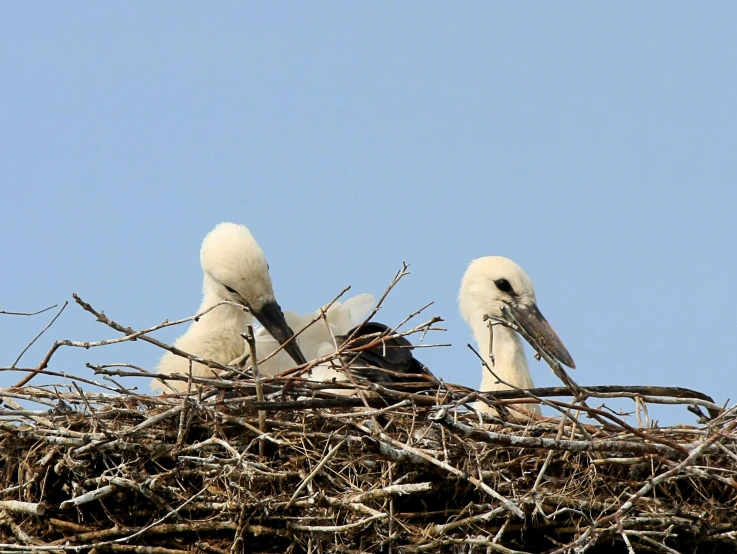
[510,363]
[235,270]
[488,284]
[216,336]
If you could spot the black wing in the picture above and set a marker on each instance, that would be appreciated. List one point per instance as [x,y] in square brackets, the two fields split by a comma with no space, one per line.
[390,361]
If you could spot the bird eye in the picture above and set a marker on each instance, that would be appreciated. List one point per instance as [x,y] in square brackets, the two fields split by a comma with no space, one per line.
[230,290]
[504,286]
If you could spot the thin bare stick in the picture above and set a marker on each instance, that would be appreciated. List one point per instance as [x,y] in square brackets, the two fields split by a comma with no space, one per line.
[398,277]
[251,340]
[296,335]
[2,312]
[39,336]
[325,459]
[511,322]
[130,336]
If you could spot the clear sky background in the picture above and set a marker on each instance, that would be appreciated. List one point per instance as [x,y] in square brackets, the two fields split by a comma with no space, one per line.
[593,144]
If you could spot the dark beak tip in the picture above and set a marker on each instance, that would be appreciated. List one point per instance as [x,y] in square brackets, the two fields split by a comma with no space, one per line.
[272,318]
[564,358]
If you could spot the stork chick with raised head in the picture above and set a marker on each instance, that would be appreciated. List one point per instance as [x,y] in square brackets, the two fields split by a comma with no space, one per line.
[235,269]
[488,284]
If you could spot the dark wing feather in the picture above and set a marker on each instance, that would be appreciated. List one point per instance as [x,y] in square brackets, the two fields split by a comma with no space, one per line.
[393,355]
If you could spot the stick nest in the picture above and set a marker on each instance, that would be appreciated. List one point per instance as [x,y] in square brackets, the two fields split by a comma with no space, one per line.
[412,472]
[288,465]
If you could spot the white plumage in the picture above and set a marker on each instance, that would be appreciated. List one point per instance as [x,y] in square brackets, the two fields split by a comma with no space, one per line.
[488,284]
[317,340]
[235,269]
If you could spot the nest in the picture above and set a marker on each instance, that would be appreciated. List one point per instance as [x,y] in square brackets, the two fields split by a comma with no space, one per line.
[289,465]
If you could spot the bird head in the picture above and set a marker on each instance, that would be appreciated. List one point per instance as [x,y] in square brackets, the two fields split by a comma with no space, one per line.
[235,269]
[237,266]
[494,281]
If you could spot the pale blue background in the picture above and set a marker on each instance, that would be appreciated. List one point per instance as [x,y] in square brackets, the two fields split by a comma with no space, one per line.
[594,144]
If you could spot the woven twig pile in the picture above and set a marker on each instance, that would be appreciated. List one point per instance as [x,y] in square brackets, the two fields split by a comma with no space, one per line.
[289,465]
[183,474]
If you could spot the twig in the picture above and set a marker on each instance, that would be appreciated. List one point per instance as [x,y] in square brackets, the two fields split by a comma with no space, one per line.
[487,516]
[38,336]
[526,393]
[96,494]
[398,277]
[546,463]
[295,336]
[325,459]
[251,340]
[335,528]
[27,508]
[504,439]
[131,334]
[2,312]
[394,490]
[511,321]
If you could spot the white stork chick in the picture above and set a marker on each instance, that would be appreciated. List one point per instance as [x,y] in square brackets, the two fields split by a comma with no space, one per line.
[488,284]
[235,269]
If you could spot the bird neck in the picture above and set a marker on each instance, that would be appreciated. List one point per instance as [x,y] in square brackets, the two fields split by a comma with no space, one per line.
[227,315]
[509,364]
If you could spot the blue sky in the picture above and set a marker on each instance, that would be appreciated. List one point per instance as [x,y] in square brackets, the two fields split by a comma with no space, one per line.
[593,144]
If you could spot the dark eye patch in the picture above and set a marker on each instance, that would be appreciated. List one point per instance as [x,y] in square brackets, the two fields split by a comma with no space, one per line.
[504,286]
[230,290]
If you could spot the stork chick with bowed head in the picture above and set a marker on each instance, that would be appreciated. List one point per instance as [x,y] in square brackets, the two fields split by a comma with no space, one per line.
[235,269]
[488,284]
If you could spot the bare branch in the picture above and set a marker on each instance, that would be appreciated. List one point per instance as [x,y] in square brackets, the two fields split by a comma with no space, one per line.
[15,363]
[2,312]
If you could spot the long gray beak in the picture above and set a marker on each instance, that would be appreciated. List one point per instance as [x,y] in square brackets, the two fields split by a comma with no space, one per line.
[272,318]
[536,325]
